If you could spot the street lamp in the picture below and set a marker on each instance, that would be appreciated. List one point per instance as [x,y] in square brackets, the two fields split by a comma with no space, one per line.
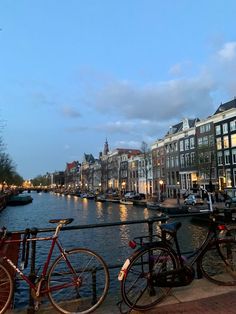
[160,190]
[178,193]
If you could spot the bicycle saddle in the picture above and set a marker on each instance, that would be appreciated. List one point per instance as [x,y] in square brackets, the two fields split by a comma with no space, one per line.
[171,228]
[65,221]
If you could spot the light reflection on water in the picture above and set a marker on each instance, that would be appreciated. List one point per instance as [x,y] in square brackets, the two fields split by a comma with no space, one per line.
[109,242]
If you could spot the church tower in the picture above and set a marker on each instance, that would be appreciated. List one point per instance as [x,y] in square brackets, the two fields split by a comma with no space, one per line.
[106,148]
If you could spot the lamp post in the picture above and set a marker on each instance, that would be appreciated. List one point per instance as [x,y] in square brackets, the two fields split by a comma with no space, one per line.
[160,190]
[178,193]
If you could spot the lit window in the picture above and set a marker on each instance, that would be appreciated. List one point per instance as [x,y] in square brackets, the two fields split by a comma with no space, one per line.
[226,141]
[218,143]
[233,140]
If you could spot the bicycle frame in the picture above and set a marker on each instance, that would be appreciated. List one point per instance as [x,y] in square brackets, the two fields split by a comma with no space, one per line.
[211,235]
[54,242]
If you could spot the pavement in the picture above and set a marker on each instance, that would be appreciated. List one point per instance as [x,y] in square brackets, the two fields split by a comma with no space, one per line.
[200,297]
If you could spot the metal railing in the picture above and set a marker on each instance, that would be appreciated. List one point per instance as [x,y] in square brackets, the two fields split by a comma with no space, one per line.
[150,223]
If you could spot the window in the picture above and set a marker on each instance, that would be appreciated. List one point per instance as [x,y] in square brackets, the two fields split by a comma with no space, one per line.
[220,158]
[187,159]
[233,140]
[192,157]
[181,146]
[226,141]
[167,162]
[218,143]
[186,142]
[175,147]
[232,125]
[205,141]
[176,161]
[202,129]
[211,140]
[182,160]
[199,141]
[172,161]
[192,143]
[225,128]
[228,178]
[218,130]
[234,156]
[234,176]
[227,159]
[207,127]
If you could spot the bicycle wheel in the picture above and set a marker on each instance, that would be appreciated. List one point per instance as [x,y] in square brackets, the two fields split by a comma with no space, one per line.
[218,262]
[81,286]
[141,288]
[6,289]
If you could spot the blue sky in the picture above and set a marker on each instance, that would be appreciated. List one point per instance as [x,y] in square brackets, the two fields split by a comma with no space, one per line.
[73,73]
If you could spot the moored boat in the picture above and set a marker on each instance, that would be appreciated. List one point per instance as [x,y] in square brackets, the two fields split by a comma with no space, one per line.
[100,198]
[20,199]
[153,205]
[126,201]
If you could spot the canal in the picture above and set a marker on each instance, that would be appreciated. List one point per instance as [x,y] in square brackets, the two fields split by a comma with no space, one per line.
[109,242]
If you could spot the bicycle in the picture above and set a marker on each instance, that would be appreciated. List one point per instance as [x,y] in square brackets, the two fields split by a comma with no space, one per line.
[148,275]
[76,282]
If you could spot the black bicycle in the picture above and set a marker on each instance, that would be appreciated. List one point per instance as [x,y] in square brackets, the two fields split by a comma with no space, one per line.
[148,275]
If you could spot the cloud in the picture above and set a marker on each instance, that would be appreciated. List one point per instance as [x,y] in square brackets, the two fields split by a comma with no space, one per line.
[157,101]
[228,51]
[165,102]
[70,112]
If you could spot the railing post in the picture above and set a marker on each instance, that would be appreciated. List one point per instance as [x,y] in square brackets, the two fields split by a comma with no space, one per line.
[150,229]
[94,283]
[32,276]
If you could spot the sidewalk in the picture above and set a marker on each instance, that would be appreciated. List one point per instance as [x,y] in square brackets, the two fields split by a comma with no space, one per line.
[200,297]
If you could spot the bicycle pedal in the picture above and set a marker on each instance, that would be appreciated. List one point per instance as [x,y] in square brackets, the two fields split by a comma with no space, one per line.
[36,305]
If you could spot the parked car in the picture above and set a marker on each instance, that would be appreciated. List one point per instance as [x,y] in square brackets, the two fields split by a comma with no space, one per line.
[139,196]
[129,194]
[230,202]
[192,199]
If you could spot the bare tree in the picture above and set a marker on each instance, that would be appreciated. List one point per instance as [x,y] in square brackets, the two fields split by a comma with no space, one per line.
[146,154]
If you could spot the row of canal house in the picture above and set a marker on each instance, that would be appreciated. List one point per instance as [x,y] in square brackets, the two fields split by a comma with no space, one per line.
[193,153]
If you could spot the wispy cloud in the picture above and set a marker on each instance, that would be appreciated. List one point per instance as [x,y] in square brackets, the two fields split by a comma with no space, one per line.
[70,112]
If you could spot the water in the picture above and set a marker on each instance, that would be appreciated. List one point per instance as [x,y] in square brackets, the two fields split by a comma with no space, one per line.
[109,242]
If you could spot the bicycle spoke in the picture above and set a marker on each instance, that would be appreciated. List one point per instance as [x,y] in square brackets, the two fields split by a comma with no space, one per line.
[81,290]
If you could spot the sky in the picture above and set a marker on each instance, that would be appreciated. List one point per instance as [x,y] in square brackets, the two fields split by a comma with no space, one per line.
[75,73]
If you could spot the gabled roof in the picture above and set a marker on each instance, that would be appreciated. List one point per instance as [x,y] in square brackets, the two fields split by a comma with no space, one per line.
[226,106]
[89,158]
[72,166]
[190,123]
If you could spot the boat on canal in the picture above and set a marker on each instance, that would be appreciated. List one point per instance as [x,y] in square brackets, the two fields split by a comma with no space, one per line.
[126,201]
[19,199]
[153,205]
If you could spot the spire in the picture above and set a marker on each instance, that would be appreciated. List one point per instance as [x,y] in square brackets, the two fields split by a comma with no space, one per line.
[106,148]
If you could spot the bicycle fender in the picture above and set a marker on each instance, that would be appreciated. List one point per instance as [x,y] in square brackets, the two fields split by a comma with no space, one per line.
[123,270]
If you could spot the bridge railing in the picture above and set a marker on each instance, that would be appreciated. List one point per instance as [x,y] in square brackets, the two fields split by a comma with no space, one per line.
[35,231]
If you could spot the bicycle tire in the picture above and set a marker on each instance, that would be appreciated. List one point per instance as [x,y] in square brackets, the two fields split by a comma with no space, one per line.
[6,289]
[218,262]
[139,288]
[77,295]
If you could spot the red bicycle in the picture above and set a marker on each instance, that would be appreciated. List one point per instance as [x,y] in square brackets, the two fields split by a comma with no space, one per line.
[76,282]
